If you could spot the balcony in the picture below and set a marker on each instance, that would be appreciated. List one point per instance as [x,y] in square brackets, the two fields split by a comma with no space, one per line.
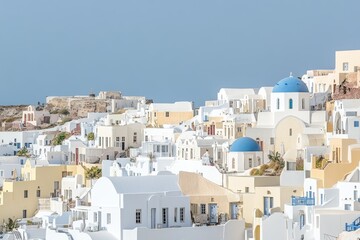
[302,201]
[353,226]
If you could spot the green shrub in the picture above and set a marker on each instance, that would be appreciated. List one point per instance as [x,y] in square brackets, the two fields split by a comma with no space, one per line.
[91,136]
[60,137]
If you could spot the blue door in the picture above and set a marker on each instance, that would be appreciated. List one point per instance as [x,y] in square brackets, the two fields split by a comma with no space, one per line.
[268,204]
[213,213]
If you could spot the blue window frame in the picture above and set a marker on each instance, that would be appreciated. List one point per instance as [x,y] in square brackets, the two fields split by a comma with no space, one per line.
[356,124]
[290,103]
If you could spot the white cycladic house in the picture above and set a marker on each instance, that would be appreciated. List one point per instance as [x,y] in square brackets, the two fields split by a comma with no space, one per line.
[120,203]
[150,207]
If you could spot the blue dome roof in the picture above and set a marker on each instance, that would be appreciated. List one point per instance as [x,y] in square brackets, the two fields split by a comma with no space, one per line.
[290,84]
[245,144]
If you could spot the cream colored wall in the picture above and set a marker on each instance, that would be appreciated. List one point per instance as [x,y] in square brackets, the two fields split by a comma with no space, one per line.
[327,80]
[203,191]
[342,144]
[334,172]
[282,132]
[174,118]
[281,195]
[239,183]
[351,57]
[127,131]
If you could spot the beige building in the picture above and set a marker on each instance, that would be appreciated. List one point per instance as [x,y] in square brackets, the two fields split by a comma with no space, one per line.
[169,113]
[265,199]
[208,198]
[121,137]
[344,158]
[20,198]
[347,68]
[261,193]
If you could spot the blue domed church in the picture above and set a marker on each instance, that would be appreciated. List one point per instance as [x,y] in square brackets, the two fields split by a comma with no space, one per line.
[244,153]
[290,124]
[290,96]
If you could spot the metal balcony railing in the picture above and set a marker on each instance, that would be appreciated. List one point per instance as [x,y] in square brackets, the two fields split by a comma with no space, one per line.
[355,225]
[299,201]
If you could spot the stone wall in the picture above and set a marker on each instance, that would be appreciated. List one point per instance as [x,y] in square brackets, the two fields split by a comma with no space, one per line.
[78,107]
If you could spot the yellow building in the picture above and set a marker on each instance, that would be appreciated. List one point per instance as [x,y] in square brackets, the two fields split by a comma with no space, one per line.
[266,198]
[169,113]
[260,193]
[206,195]
[19,198]
[344,158]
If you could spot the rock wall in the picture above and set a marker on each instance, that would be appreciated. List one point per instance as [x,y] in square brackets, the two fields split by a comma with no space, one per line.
[80,108]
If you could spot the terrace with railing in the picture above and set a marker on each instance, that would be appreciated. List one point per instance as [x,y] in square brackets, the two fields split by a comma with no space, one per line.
[301,201]
[355,225]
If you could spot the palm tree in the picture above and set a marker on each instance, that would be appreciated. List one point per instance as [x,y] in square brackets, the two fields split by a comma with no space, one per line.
[277,162]
[10,225]
[93,172]
[274,157]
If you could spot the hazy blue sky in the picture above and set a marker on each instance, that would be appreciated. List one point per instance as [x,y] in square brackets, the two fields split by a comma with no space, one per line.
[163,49]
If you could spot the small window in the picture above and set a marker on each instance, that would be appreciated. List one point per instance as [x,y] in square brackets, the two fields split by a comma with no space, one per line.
[182,214]
[345,66]
[302,220]
[167,114]
[290,103]
[290,132]
[246,189]
[138,215]
[278,103]
[25,193]
[202,208]
[250,162]
[272,141]
[356,124]
[24,213]
[38,193]
[134,138]
[95,217]
[175,214]
[108,218]
[117,139]
[154,114]
[303,103]
[123,139]
[233,163]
